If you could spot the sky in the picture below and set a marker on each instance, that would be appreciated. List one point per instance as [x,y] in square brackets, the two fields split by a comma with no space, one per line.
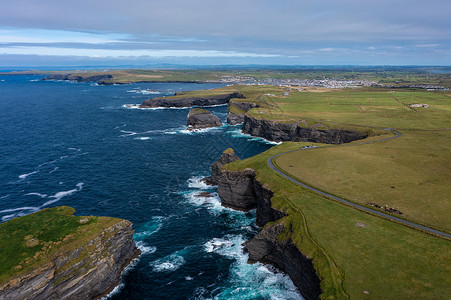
[216,32]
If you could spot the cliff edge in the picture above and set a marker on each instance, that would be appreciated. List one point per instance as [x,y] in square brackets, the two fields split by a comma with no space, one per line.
[242,191]
[53,254]
[190,101]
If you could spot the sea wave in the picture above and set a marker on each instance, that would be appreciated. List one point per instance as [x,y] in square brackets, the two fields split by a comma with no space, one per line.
[249,281]
[168,263]
[237,133]
[149,228]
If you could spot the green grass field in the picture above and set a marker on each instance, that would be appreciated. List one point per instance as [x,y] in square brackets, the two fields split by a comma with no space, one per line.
[388,260]
[33,240]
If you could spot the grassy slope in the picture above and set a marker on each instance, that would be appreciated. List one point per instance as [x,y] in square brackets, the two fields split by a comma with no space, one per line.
[387,260]
[410,173]
[33,240]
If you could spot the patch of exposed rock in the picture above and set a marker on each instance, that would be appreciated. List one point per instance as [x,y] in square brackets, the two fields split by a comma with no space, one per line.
[281,132]
[237,110]
[190,101]
[201,118]
[227,156]
[87,271]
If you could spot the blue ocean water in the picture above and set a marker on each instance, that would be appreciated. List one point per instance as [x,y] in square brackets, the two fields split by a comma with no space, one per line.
[79,144]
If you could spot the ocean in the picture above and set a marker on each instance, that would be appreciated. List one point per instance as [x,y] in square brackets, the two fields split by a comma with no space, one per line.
[81,145]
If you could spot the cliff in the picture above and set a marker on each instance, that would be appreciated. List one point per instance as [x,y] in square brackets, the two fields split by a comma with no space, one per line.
[190,101]
[240,190]
[227,156]
[267,247]
[69,257]
[200,118]
[94,78]
[237,110]
[297,132]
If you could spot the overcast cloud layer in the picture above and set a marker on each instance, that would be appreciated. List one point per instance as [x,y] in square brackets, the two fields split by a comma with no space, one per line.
[396,32]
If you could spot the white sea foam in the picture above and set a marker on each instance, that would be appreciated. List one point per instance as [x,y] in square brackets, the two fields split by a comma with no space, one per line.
[18,212]
[145,92]
[23,176]
[168,263]
[249,281]
[6,196]
[237,133]
[144,248]
[197,183]
[54,170]
[213,203]
[128,133]
[74,149]
[19,209]
[143,138]
[57,197]
[37,194]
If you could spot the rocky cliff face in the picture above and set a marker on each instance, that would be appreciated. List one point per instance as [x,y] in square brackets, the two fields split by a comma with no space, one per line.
[95,78]
[84,272]
[236,189]
[237,111]
[190,101]
[240,190]
[265,247]
[281,132]
[201,118]
[227,156]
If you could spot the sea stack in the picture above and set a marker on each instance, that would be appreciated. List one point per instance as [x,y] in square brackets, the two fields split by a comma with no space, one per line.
[201,118]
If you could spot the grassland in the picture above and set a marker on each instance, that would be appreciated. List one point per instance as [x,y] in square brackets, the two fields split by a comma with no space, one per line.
[33,240]
[387,260]
[382,259]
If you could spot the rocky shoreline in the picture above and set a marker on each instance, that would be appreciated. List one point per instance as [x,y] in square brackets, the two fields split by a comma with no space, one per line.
[190,101]
[293,132]
[241,190]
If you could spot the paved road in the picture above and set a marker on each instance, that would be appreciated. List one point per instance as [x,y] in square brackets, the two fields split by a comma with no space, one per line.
[357,206]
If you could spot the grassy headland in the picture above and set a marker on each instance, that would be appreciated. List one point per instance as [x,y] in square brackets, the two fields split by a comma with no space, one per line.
[34,240]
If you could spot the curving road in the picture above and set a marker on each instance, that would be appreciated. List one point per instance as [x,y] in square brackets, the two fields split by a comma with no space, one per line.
[352,204]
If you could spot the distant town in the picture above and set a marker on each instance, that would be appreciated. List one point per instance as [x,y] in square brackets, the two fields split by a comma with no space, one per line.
[325,83]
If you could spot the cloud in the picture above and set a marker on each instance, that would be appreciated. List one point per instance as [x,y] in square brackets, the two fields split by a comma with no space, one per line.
[324,29]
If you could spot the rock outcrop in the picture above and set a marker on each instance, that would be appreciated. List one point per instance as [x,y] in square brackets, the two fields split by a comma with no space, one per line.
[281,132]
[201,118]
[85,270]
[236,189]
[237,110]
[227,156]
[95,78]
[190,101]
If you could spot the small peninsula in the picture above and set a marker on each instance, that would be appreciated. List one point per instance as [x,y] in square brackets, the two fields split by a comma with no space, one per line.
[52,254]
